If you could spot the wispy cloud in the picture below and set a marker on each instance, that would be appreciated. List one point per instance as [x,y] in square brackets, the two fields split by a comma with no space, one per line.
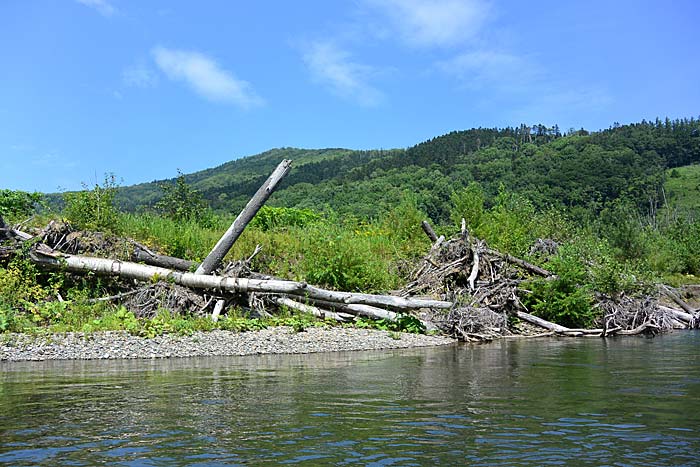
[103,7]
[139,76]
[429,23]
[204,75]
[480,69]
[333,68]
[52,161]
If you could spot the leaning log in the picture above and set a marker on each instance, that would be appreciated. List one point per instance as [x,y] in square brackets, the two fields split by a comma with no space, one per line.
[213,260]
[534,269]
[129,270]
[428,229]
[679,301]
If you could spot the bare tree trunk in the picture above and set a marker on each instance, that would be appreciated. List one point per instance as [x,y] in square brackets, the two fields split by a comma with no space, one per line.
[213,260]
[429,231]
[142,272]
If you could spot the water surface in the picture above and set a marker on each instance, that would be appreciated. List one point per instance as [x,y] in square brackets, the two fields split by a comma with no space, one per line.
[622,402]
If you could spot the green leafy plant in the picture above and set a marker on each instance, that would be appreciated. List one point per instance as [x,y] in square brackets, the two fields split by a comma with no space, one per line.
[566,299]
[94,208]
[15,204]
[182,202]
[269,218]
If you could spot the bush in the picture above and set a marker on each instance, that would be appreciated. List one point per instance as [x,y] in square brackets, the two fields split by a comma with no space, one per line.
[16,204]
[93,209]
[567,299]
[181,202]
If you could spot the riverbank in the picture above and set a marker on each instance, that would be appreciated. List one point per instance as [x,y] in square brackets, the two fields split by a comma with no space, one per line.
[277,340]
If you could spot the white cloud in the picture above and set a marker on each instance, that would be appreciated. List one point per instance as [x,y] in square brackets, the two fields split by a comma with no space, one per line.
[490,69]
[205,77]
[139,76]
[333,68]
[434,22]
[103,7]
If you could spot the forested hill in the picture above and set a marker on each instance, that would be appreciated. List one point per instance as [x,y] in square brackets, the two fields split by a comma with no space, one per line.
[577,169]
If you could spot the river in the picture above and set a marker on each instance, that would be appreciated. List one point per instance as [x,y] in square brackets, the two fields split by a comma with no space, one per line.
[576,401]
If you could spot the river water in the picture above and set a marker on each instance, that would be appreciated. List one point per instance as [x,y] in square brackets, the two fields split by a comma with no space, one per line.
[622,402]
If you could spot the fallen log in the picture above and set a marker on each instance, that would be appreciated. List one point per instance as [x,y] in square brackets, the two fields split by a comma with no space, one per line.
[360,310]
[76,263]
[304,308]
[543,323]
[213,260]
[677,314]
[141,255]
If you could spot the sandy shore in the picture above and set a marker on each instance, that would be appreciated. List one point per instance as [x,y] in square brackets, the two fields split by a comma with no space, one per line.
[279,340]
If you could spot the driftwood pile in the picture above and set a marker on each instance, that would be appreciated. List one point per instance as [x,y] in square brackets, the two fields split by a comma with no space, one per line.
[485,287]
[461,287]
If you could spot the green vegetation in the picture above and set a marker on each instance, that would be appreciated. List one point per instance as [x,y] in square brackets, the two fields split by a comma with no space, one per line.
[623,203]
[93,209]
[683,188]
[17,204]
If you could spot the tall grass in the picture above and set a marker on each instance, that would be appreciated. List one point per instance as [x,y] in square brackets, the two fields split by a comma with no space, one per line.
[342,254]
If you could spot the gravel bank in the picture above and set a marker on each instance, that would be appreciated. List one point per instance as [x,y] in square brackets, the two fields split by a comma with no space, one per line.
[105,345]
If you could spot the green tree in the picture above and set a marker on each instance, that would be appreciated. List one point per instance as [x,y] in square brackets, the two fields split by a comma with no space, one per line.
[182,202]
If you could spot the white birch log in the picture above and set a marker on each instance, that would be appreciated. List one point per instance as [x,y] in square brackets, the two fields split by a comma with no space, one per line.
[213,260]
[304,308]
[77,263]
[361,310]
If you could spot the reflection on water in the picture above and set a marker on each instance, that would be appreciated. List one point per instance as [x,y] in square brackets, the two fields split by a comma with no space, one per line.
[632,401]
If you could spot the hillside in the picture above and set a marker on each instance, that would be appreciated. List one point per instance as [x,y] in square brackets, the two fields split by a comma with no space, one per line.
[683,188]
[579,170]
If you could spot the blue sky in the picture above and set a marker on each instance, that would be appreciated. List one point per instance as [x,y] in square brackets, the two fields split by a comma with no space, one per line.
[143,88]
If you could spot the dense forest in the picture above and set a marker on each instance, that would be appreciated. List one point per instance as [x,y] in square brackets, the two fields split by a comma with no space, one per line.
[576,170]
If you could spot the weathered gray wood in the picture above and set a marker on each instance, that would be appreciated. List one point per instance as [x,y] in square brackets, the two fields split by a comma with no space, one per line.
[312,310]
[77,263]
[213,260]
[542,322]
[361,310]
[163,261]
[679,301]
[429,231]
[522,263]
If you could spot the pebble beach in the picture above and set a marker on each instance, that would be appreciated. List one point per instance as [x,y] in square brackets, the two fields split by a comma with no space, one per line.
[278,340]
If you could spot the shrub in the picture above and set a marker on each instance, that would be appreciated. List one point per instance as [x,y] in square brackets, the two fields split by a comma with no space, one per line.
[181,202]
[93,209]
[15,204]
